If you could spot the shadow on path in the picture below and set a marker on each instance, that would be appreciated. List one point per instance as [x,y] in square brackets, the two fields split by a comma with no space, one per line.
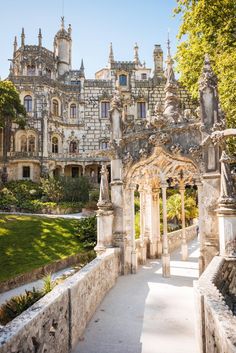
[146,313]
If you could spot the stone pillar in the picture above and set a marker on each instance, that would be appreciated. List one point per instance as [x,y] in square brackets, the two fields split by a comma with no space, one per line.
[227,229]
[45,136]
[148,212]
[142,225]
[184,245]
[104,216]
[200,226]
[155,238]
[134,263]
[165,251]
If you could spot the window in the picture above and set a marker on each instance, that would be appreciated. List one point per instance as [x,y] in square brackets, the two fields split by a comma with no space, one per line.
[54,145]
[55,107]
[75,172]
[23,144]
[31,142]
[48,73]
[141,110]
[73,147]
[73,111]
[123,80]
[143,76]
[31,70]
[104,145]
[105,107]
[26,172]
[28,103]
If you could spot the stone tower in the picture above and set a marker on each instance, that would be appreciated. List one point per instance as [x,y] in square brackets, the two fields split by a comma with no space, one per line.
[62,49]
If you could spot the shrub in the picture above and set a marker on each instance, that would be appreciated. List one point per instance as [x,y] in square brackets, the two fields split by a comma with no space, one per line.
[75,189]
[16,305]
[87,231]
[52,188]
[24,189]
[91,205]
[7,199]
[94,195]
[48,284]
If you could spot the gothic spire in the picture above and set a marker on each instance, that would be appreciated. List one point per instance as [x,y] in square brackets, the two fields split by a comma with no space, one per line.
[69,29]
[136,55]
[169,73]
[62,22]
[40,38]
[15,44]
[22,37]
[82,67]
[111,54]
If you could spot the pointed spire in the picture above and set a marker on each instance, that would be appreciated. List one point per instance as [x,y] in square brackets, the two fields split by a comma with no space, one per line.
[136,56]
[111,54]
[69,29]
[169,72]
[23,37]
[40,38]
[62,22]
[208,77]
[11,69]
[82,67]
[15,44]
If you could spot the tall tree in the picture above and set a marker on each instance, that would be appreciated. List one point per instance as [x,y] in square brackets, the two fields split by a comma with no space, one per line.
[209,26]
[11,111]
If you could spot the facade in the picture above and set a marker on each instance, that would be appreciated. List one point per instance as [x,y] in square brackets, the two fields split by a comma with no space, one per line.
[68,124]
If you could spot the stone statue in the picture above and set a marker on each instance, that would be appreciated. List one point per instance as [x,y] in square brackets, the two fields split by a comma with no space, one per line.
[227,186]
[104,198]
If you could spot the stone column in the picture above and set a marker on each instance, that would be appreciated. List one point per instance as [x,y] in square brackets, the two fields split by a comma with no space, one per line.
[148,212]
[165,251]
[155,238]
[104,216]
[134,263]
[142,225]
[184,245]
[200,226]
[45,136]
[227,229]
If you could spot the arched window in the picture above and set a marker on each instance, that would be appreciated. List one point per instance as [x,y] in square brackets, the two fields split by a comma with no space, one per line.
[28,103]
[73,111]
[54,145]
[123,80]
[48,73]
[31,143]
[55,107]
[104,145]
[73,147]
[23,144]
[30,70]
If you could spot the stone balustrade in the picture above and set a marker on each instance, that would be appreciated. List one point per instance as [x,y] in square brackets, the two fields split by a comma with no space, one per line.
[216,324]
[174,240]
[57,321]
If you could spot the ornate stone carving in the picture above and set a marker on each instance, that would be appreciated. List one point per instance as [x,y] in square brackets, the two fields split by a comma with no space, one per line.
[143,152]
[196,152]
[217,137]
[187,115]
[159,139]
[116,102]
[227,192]
[104,198]
[128,159]
[208,78]
[176,148]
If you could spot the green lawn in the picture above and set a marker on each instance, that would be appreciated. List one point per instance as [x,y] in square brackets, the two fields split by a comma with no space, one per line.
[29,242]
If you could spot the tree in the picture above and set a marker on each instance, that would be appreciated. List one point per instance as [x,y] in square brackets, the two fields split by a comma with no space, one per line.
[11,111]
[174,211]
[209,27]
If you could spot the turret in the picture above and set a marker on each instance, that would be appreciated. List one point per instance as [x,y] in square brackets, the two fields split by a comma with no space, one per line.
[23,37]
[40,38]
[136,55]
[111,55]
[62,48]
[158,60]
[15,46]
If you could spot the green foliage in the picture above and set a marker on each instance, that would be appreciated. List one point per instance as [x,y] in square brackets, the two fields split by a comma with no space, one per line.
[16,305]
[174,208]
[87,231]
[52,189]
[136,205]
[11,108]
[75,189]
[48,284]
[94,195]
[209,27]
[137,225]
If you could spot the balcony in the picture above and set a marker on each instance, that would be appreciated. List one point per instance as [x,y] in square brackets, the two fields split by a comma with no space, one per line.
[23,155]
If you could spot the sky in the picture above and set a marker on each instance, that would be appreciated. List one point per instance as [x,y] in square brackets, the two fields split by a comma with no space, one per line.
[95,23]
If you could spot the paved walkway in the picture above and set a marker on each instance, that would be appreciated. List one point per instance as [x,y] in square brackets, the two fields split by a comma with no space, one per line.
[145,313]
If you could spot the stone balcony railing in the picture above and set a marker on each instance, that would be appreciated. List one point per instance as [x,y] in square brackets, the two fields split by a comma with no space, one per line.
[24,155]
[215,306]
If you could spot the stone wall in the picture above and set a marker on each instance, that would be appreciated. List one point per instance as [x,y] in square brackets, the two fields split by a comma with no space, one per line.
[216,324]
[175,240]
[56,322]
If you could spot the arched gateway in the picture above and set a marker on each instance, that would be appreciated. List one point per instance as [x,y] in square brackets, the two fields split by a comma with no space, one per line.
[173,146]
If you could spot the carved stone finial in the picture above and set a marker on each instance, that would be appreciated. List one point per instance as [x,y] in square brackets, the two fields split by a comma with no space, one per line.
[227,191]
[116,102]
[62,22]
[40,38]
[208,78]
[15,44]
[136,55]
[104,198]
[22,37]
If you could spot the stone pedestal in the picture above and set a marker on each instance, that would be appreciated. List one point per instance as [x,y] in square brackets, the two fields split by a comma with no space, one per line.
[165,255]
[227,229]
[104,230]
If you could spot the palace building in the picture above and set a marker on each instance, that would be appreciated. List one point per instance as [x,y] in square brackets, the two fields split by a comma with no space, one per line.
[68,126]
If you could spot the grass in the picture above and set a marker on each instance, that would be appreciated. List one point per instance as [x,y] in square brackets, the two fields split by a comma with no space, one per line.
[29,242]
